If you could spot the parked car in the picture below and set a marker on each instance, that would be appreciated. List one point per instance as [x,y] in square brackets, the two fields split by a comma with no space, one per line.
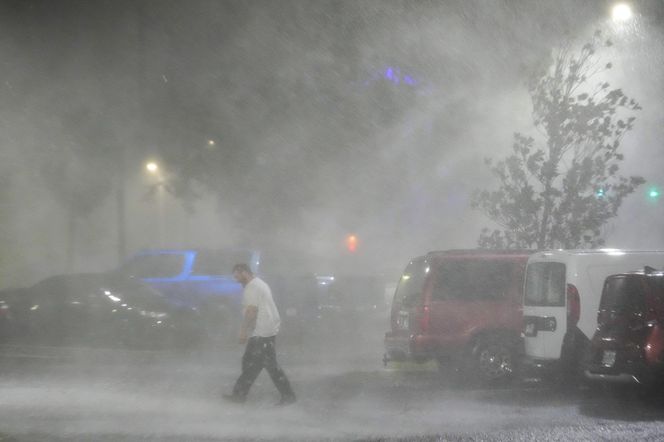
[462,306]
[296,300]
[196,278]
[628,345]
[202,279]
[561,298]
[96,310]
[353,303]
[5,296]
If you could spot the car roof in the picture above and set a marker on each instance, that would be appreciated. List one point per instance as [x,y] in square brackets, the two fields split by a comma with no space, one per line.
[649,272]
[608,251]
[481,252]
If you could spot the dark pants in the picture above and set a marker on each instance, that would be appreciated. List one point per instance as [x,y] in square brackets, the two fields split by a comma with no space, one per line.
[259,354]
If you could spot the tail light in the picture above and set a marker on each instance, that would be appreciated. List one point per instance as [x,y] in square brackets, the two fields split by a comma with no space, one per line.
[573,306]
[424,319]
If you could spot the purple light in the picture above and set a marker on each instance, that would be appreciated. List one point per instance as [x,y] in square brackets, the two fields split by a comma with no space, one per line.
[394,75]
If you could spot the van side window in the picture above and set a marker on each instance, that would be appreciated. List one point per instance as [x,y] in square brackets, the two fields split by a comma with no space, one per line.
[545,284]
[472,280]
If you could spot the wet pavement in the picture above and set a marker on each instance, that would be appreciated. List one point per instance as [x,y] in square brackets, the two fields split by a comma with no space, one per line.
[344,393]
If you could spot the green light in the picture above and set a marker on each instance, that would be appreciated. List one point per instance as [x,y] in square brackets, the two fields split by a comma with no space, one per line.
[653,193]
[599,193]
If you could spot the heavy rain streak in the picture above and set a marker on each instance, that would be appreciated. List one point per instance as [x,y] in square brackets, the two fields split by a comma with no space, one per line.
[413,180]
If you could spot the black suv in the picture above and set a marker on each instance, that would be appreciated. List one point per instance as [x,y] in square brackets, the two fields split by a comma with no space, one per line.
[628,345]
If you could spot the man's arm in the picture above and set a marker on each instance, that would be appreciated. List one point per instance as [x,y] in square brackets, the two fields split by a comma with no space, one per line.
[249,322]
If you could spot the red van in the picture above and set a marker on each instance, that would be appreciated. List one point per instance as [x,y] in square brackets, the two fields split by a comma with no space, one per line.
[461,306]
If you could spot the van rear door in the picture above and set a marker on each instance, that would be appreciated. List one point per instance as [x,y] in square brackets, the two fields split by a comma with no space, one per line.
[544,309]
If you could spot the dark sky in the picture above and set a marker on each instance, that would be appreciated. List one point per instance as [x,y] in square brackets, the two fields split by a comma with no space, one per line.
[328,116]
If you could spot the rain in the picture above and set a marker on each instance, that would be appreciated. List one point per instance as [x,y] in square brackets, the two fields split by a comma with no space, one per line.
[341,138]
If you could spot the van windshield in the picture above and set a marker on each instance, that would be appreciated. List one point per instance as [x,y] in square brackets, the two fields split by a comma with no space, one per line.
[472,279]
[545,284]
[411,282]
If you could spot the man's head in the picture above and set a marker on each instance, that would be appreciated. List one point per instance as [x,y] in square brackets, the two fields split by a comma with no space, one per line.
[242,273]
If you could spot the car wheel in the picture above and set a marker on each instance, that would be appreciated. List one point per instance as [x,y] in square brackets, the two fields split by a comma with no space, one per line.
[494,360]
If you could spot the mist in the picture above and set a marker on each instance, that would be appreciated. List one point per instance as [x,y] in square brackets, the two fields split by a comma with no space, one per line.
[285,123]
[369,119]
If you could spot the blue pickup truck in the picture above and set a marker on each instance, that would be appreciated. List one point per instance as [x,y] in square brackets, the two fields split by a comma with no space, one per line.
[202,279]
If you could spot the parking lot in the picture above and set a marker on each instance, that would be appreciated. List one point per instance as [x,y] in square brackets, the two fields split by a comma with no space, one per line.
[344,393]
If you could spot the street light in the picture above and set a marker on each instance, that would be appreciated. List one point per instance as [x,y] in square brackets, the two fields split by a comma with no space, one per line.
[621,12]
[152,167]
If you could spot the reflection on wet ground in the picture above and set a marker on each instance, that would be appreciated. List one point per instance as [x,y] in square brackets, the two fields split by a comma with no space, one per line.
[344,393]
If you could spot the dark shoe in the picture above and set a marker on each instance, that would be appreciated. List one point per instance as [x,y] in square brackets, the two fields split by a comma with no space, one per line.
[286,400]
[233,398]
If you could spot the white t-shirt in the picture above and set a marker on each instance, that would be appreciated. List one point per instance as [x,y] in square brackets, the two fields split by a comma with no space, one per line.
[258,293]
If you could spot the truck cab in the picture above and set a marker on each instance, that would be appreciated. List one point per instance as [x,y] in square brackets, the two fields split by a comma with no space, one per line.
[192,277]
[202,279]
[197,278]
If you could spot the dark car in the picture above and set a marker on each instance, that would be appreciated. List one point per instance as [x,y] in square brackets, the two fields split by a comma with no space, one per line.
[351,301]
[628,345]
[462,308]
[96,310]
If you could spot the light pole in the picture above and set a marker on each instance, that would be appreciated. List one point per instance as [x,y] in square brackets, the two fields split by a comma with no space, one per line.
[153,169]
[121,218]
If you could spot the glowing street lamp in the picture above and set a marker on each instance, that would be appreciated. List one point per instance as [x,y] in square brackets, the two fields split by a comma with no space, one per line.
[152,167]
[621,12]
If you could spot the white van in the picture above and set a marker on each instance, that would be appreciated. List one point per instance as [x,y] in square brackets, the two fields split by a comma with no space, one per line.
[561,299]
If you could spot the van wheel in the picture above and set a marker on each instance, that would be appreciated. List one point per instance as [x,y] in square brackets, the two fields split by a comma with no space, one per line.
[494,360]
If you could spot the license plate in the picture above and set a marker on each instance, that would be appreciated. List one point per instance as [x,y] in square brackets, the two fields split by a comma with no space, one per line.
[608,358]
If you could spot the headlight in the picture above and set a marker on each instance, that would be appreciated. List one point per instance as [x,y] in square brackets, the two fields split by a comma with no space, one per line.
[154,315]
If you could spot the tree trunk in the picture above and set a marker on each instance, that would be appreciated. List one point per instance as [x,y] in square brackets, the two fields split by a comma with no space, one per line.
[546,213]
[71,241]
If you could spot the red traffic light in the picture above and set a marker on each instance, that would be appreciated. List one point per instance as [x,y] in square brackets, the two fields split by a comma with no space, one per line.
[351,243]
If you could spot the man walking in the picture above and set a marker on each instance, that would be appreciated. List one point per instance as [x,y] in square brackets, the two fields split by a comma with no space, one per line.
[259,331]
